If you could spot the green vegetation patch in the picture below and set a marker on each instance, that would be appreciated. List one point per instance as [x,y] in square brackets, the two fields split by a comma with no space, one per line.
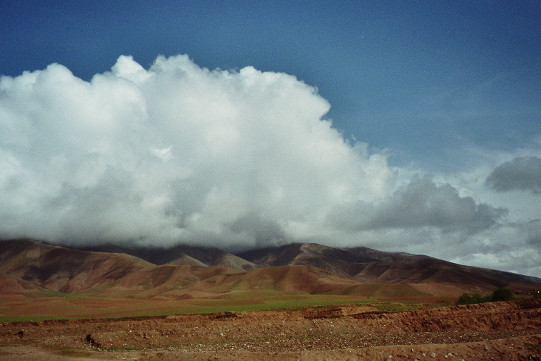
[58,294]
[28,318]
[383,290]
[268,303]
[389,306]
[501,294]
[262,300]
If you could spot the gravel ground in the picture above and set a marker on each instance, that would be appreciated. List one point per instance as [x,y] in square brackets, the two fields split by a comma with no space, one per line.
[490,331]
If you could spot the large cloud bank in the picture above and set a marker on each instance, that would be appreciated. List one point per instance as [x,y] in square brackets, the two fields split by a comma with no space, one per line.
[180,153]
[173,153]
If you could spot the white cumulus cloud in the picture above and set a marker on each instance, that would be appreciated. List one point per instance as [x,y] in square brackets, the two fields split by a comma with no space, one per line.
[179,153]
[173,153]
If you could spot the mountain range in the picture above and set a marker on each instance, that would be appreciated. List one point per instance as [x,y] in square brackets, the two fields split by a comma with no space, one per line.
[29,267]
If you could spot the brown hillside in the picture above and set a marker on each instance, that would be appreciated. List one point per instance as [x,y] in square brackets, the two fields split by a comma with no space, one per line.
[28,267]
[323,257]
[180,255]
[370,266]
[63,269]
[433,271]
[290,278]
[166,281]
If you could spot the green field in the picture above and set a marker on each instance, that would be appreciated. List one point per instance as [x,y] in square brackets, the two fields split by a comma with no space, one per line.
[58,306]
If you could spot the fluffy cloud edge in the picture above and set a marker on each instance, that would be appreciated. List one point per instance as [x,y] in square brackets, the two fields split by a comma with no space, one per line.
[180,153]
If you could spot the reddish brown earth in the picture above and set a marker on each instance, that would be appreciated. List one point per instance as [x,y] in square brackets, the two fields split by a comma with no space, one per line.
[33,269]
[490,331]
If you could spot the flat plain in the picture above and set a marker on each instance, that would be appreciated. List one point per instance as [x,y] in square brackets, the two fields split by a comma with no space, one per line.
[365,330]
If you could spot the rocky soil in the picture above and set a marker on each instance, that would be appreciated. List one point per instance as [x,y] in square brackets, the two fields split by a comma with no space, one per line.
[490,331]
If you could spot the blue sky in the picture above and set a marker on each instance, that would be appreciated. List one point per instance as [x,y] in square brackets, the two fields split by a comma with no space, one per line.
[416,77]
[206,122]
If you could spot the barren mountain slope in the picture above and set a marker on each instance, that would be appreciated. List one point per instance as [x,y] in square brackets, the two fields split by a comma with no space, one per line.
[47,267]
[187,272]
[63,269]
[324,257]
[181,255]
[370,266]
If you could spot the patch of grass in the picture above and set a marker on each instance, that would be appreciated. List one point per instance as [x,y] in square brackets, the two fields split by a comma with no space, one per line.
[388,306]
[69,352]
[443,301]
[64,351]
[58,294]
[260,300]
[276,303]
[28,318]
[117,349]
[382,290]
[45,293]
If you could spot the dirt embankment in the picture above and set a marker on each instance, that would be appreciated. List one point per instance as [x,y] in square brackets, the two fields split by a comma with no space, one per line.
[491,331]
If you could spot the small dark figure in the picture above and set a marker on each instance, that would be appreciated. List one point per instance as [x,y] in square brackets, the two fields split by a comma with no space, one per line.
[91,341]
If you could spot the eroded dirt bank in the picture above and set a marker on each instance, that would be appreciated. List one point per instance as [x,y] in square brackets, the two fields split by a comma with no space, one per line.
[491,331]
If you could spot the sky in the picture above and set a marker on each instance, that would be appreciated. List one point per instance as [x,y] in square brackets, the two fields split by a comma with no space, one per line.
[399,125]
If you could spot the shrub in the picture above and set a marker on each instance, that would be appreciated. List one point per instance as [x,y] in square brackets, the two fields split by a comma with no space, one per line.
[467,299]
[501,294]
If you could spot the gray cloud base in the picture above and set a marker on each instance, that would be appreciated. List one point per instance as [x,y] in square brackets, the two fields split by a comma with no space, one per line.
[521,173]
[421,203]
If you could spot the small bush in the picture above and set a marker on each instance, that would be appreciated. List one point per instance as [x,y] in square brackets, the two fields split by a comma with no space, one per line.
[467,299]
[501,294]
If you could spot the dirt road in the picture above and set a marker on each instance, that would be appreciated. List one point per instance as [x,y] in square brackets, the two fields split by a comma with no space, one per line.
[490,331]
